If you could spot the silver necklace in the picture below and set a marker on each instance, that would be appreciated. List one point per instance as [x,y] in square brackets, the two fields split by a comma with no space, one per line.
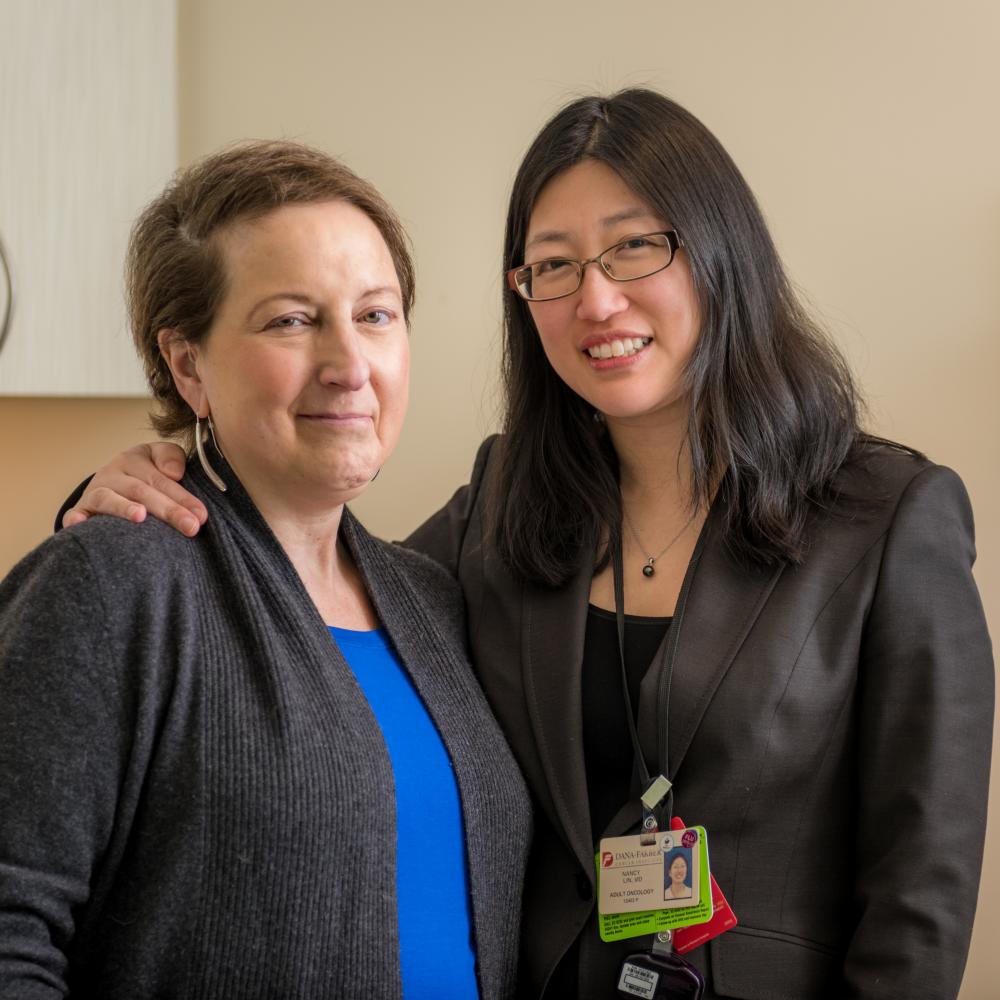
[647,569]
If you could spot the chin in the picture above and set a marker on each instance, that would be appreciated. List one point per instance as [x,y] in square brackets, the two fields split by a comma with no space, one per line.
[352,476]
[348,484]
[633,408]
[355,463]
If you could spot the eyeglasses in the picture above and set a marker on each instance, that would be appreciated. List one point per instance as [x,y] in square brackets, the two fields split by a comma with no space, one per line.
[634,257]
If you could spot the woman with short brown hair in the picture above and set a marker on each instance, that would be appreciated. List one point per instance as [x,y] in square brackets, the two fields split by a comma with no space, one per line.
[256,763]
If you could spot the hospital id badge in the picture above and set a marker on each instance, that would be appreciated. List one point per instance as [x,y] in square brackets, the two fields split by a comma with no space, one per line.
[648,889]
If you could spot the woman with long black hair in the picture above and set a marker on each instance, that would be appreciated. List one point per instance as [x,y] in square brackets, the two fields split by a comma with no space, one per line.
[685,557]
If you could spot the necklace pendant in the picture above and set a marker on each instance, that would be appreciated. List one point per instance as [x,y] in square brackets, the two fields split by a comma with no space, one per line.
[647,570]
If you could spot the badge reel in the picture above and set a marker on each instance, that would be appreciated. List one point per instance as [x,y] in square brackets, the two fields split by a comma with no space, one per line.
[660,974]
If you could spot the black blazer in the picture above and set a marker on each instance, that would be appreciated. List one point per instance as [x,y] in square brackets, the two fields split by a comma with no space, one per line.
[829,724]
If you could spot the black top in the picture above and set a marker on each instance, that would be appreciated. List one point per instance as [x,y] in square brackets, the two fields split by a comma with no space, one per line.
[607,746]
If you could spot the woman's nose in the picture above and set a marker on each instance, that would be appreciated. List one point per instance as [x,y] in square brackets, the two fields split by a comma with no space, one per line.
[600,297]
[342,360]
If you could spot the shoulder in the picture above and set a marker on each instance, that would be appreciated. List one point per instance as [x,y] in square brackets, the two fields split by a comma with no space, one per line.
[97,572]
[487,456]
[890,505]
[885,499]
[71,610]
[879,467]
[55,575]
[890,478]
[125,551]
[102,544]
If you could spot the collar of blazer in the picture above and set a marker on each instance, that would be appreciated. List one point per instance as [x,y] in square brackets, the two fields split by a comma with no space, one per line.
[720,602]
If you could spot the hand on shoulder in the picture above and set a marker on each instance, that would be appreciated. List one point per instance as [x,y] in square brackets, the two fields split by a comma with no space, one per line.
[142,480]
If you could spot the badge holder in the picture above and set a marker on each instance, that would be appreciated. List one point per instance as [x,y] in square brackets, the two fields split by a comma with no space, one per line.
[660,973]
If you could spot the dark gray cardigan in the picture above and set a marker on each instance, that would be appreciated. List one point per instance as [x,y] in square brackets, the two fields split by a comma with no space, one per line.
[195,798]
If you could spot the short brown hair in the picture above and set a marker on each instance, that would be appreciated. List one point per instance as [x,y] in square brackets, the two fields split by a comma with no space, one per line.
[174,272]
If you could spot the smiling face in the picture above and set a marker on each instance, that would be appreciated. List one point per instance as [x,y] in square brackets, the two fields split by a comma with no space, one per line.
[621,346]
[305,367]
[678,871]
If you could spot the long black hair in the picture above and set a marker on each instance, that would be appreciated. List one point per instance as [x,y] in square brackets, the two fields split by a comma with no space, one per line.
[774,409]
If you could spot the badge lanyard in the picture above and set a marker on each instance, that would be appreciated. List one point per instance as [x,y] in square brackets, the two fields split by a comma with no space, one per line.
[655,791]
[659,973]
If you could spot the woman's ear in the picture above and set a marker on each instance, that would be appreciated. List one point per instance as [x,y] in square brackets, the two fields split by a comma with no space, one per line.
[181,357]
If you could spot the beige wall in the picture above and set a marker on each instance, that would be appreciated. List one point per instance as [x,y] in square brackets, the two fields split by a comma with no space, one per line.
[866,129]
[48,446]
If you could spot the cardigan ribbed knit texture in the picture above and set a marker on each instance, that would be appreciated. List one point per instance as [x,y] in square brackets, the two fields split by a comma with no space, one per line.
[195,798]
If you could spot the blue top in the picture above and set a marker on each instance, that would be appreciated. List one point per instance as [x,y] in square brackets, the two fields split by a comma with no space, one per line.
[432,890]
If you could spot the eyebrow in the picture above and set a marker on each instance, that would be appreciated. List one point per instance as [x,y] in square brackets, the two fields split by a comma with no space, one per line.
[561,236]
[382,290]
[293,296]
[309,301]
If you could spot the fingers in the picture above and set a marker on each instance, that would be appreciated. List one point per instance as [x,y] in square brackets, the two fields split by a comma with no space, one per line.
[166,501]
[168,458]
[139,481]
[158,466]
[74,516]
[102,500]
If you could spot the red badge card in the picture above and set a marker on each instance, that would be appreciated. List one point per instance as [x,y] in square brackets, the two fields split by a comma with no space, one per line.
[688,938]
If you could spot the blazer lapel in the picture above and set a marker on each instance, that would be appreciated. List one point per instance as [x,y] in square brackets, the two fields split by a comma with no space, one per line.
[723,602]
[555,624]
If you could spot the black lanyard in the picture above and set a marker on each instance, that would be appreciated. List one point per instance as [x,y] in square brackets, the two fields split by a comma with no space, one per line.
[670,650]
[676,977]
[657,793]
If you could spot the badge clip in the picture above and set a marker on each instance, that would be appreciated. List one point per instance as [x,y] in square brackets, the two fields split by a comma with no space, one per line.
[656,792]
[654,795]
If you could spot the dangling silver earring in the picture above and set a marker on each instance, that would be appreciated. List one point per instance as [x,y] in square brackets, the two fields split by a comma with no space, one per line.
[199,447]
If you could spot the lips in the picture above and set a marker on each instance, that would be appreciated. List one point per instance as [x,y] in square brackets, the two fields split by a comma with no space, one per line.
[336,418]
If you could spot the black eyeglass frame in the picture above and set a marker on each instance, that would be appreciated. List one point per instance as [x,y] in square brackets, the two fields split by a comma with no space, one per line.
[674,241]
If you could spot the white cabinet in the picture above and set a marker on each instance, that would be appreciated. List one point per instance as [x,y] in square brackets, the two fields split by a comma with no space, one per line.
[88,134]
